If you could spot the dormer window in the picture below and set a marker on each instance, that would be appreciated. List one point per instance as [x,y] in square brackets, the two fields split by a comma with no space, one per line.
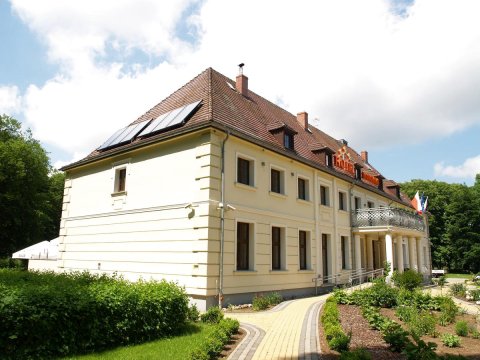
[288,140]
[329,159]
[325,154]
[358,172]
[284,135]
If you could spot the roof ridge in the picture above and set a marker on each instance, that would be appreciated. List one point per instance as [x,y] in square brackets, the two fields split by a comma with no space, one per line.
[141,117]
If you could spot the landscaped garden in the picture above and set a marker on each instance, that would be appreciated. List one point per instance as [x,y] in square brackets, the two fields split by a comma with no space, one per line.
[397,322]
[47,315]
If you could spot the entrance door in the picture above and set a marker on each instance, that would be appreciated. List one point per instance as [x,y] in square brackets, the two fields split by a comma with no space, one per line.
[325,256]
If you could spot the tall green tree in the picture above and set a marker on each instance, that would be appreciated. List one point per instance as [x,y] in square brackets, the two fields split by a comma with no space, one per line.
[29,204]
[454,219]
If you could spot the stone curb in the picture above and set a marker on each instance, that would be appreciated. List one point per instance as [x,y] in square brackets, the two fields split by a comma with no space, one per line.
[246,349]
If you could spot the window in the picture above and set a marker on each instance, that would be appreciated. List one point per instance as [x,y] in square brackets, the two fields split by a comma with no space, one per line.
[276,248]
[344,246]
[243,246]
[370,204]
[120,180]
[358,172]
[329,160]
[288,140]
[303,189]
[358,203]
[277,181]
[245,171]
[342,203]
[324,196]
[303,249]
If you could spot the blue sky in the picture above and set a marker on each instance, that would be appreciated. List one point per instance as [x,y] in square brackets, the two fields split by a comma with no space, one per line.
[399,79]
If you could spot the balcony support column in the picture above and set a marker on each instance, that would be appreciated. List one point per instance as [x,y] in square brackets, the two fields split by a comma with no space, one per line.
[369,253]
[399,252]
[419,255]
[412,247]
[358,253]
[389,254]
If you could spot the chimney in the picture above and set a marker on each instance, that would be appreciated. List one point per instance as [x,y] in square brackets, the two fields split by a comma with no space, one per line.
[302,118]
[242,81]
[365,156]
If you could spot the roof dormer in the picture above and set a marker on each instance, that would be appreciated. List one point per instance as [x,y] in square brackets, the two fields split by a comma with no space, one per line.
[285,135]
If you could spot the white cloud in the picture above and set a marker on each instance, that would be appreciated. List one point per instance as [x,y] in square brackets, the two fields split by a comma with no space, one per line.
[367,74]
[10,100]
[469,169]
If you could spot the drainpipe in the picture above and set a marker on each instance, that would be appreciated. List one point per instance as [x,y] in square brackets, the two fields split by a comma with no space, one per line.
[352,236]
[222,221]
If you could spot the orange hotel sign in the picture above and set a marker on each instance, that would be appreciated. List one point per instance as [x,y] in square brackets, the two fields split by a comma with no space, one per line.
[343,160]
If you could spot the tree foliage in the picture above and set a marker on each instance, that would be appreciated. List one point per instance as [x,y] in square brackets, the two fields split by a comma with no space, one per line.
[30,196]
[454,219]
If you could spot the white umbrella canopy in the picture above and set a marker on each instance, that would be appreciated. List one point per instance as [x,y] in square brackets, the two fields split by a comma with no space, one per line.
[45,250]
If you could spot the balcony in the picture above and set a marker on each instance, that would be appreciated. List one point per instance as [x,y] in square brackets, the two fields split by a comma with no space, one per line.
[387,216]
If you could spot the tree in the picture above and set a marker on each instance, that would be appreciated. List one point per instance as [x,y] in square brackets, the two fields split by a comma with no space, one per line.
[454,219]
[29,204]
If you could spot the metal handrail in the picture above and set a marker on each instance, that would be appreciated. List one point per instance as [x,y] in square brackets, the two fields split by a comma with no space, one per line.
[369,274]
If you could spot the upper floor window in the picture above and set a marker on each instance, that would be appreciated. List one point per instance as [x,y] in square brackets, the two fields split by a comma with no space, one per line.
[342,201]
[303,189]
[277,181]
[370,204]
[245,171]
[120,179]
[324,195]
[288,140]
[329,160]
[358,203]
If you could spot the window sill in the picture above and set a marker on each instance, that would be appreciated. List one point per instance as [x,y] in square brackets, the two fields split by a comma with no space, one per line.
[325,206]
[279,195]
[305,202]
[244,272]
[305,271]
[278,271]
[119,193]
[245,187]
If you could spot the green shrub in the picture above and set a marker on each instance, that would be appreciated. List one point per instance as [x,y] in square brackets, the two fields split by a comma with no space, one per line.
[212,316]
[395,336]
[451,340]
[409,279]
[406,313]
[9,263]
[336,337]
[340,342]
[341,296]
[216,340]
[357,354]
[193,314]
[47,315]
[262,302]
[448,310]
[383,295]
[422,324]
[475,334]
[475,294]
[420,350]
[461,328]
[458,290]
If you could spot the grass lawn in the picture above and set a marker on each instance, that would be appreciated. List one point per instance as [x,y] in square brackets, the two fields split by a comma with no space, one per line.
[458,276]
[178,347]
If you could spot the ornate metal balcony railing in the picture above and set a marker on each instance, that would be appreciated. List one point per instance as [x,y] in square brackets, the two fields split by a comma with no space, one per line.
[387,216]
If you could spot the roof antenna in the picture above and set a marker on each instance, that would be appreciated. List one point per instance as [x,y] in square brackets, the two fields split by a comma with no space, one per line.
[240,68]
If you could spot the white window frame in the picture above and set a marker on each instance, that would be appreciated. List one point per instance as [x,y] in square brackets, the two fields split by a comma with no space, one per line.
[116,168]
[307,187]
[283,188]
[327,192]
[308,245]
[251,243]
[252,170]
[345,200]
[283,247]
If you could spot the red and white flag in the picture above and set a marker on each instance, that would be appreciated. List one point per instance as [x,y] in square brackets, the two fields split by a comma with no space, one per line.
[416,203]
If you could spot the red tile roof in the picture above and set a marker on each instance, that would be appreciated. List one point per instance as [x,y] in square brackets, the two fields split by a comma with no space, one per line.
[251,117]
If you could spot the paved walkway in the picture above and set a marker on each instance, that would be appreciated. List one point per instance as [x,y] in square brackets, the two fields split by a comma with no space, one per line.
[288,331]
[469,308]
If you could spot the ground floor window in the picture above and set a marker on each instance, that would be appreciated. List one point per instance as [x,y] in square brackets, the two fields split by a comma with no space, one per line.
[344,249]
[276,248]
[302,246]
[243,246]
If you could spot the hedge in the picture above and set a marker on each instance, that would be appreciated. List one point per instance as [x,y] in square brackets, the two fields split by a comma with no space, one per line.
[336,337]
[214,343]
[46,315]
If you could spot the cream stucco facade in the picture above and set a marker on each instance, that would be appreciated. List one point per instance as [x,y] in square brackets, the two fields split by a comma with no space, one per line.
[166,221]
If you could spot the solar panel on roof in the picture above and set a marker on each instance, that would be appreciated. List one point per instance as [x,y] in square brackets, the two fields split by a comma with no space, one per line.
[170,119]
[124,135]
